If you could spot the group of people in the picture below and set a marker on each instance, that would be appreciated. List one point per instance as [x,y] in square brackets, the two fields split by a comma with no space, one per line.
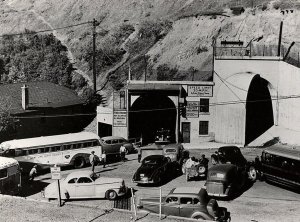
[192,161]
[102,158]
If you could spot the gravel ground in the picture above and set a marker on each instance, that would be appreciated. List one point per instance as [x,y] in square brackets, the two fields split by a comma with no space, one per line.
[17,210]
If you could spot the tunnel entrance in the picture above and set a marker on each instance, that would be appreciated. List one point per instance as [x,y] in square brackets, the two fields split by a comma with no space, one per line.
[259,112]
[150,112]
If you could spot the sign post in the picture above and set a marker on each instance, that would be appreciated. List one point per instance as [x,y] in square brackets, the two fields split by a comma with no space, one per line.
[55,173]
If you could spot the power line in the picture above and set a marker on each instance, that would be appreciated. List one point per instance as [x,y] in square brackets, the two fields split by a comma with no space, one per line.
[46,30]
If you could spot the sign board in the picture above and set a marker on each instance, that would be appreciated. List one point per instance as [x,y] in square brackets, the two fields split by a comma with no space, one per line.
[120,118]
[192,109]
[200,90]
[55,173]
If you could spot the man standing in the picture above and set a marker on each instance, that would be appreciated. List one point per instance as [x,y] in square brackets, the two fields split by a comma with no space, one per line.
[32,173]
[139,154]
[92,159]
[103,159]
[122,152]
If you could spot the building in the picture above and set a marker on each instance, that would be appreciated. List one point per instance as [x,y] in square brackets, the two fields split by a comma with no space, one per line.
[252,99]
[42,108]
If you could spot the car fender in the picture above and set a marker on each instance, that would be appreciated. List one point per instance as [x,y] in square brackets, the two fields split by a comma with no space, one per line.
[202,214]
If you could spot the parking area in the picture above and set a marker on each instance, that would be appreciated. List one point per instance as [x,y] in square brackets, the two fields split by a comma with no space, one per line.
[261,202]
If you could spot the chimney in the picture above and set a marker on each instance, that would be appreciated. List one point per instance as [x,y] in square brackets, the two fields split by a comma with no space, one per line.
[25,97]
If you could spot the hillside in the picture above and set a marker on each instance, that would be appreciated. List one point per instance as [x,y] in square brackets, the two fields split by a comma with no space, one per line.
[175,36]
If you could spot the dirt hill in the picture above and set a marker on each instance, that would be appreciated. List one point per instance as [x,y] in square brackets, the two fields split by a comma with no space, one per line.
[175,36]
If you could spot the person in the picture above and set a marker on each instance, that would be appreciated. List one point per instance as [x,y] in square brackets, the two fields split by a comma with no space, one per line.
[122,152]
[190,162]
[32,173]
[139,154]
[204,160]
[103,159]
[92,159]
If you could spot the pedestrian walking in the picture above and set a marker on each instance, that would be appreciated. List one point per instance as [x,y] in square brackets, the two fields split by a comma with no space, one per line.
[139,154]
[103,159]
[32,173]
[122,153]
[92,159]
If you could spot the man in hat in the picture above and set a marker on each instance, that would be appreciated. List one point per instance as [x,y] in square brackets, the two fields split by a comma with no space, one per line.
[92,159]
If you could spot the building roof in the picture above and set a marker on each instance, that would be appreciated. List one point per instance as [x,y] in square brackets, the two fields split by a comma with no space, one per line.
[7,162]
[291,152]
[41,95]
[48,140]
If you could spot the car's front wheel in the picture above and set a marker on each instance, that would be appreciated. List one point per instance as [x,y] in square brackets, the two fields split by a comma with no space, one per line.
[111,195]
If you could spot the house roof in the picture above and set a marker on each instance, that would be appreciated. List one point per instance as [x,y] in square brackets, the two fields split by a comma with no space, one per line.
[41,95]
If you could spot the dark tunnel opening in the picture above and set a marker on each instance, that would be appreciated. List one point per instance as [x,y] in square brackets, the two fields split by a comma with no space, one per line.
[149,113]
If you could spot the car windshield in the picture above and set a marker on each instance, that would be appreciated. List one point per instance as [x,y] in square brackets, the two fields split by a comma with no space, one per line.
[151,161]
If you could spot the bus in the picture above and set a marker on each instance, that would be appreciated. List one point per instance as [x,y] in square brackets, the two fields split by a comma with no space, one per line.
[46,151]
[280,164]
[10,176]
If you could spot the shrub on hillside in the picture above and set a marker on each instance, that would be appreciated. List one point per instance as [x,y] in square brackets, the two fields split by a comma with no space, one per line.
[164,72]
[34,57]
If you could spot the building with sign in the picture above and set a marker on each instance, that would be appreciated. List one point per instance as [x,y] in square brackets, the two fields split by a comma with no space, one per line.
[183,107]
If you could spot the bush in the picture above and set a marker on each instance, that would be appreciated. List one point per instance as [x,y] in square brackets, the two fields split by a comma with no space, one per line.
[164,72]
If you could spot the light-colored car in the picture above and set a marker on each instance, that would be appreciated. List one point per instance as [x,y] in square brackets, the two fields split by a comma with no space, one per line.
[86,184]
[112,144]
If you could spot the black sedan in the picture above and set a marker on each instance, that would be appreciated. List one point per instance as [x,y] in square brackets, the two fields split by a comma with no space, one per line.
[233,155]
[154,169]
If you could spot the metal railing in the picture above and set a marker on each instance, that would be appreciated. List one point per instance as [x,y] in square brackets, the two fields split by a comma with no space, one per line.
[223,52]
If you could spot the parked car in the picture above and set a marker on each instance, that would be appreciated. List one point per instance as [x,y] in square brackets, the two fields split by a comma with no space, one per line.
[154,169]
[176,152]
[233,155]
[86,184]
[112,144]
[225,180]
[163,136]
[190,202]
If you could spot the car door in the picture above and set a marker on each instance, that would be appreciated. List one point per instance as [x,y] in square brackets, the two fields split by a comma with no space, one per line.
[171,206]
[186,206]
[85,187]
[115,146]
[71,187]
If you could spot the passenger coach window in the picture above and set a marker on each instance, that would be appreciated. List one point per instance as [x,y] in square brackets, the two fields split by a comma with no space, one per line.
[186,200]
[3,173]
[96,143]
[84,180]
[172,200]
[72,180]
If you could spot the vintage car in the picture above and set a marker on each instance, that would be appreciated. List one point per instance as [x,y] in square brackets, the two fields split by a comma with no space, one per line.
[112,144]
[154,169]
[191,202]
[233,155]
[225,180]
[176,152]
[86,184]
[163,136]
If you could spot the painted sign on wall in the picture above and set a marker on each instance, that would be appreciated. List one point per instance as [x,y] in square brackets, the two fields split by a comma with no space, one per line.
[192,109]
[120,118]
[200,90]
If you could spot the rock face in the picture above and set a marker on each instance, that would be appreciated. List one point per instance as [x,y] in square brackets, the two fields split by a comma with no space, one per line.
[186,46]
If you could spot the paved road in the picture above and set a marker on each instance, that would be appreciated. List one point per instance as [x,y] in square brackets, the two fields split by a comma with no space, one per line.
[262,202]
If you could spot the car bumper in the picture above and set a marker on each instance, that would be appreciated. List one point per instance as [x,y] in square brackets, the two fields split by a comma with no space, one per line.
[143,181]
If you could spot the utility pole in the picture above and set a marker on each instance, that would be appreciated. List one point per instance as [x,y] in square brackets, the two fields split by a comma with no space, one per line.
[95,23]
[279,40]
